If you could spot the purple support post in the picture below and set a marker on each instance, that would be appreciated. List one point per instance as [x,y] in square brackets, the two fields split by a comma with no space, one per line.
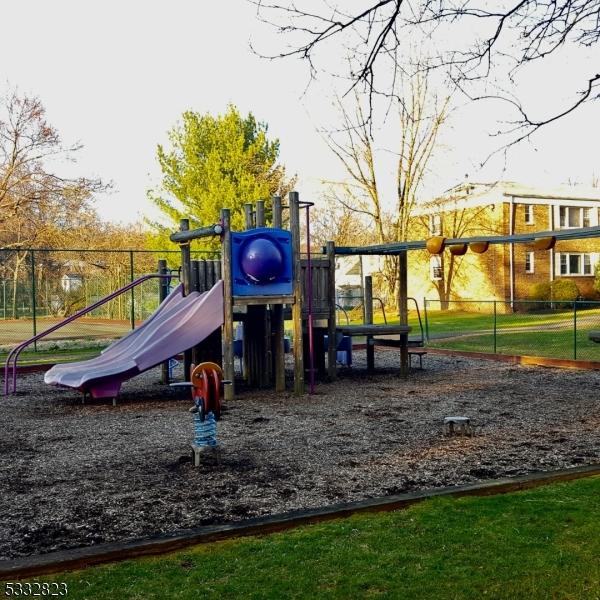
[311,351]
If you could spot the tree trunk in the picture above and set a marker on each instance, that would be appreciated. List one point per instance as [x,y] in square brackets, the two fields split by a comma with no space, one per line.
[18,262]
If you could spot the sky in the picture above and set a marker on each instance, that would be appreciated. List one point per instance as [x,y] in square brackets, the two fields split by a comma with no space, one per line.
[116,76]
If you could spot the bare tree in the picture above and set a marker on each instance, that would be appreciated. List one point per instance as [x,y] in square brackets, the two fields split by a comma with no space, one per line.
[27,143]
[37,206]
[420,116]
[478,40]
[457,222]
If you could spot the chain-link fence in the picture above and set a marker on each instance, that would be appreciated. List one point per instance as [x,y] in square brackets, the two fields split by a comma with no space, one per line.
[525,328]
[39,288]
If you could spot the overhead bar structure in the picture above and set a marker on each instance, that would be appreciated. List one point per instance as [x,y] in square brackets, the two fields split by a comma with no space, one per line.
[394,248]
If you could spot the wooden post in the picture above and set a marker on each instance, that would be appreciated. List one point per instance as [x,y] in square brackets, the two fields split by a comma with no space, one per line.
[227,337]
[202,276]
[163,292]
[294,200]
[260,213]
[331,330]
[248,214]
[210,274]
[186,278]
[277,212]
[195,287]
[368,302]
[277,321]
[403,309]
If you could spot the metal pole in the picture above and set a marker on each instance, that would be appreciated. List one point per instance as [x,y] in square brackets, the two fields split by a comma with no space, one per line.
[33,293]
[132,290]
[297,306]
[575,330]
[163,292]
[495,324]
[426,319]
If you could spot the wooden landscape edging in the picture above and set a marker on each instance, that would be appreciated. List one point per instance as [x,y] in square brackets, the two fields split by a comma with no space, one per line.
[80,558]
[541,361]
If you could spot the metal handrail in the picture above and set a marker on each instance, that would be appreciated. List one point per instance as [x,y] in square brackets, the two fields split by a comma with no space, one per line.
[419,317]
[382,308]
[16,351]
[345,313]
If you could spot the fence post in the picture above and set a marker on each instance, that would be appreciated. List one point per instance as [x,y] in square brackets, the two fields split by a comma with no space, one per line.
[132,290]
[495,326]
[163,292]
[426,319]
[33,290]
[575,330]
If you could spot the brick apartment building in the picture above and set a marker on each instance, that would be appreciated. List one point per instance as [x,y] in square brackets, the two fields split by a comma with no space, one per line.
[505,271]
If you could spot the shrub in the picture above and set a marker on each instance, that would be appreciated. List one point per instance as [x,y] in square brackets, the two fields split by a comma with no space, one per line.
[540,291]
[564,290]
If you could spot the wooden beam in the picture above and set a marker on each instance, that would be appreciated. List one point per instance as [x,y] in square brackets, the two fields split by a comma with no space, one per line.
[248,216]
[331,343]
[227,330]
[260,213]
[368,304]
[403,309]
[248,300]
[277,212]
[186,278]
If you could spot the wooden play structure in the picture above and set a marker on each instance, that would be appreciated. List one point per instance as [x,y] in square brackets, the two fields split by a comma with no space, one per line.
[310,301]
[309,304]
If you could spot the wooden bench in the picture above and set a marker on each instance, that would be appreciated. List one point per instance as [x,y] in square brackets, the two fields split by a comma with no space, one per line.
[420,352]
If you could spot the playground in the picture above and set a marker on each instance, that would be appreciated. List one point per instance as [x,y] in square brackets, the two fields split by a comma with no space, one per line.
[77,475]
[283,418]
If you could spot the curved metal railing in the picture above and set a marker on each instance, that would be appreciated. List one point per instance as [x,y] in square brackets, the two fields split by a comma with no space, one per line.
[10,370]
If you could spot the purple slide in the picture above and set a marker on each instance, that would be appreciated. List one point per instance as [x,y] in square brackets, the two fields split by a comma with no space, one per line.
[179,323]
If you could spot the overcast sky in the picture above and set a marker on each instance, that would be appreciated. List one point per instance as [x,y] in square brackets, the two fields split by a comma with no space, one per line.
[117,75]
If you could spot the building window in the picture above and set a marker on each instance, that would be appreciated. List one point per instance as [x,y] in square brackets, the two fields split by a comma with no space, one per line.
[574,216]
[529,262]
[435,224]
[528,214]
[572,263]
[435,267]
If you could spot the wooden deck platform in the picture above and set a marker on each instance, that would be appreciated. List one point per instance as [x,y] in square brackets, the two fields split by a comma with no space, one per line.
[372,329]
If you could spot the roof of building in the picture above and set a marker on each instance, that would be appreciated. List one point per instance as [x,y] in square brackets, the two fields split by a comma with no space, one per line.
[471,194]
[514,188]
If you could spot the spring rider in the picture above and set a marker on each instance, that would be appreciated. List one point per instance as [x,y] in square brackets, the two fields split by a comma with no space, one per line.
[206,381]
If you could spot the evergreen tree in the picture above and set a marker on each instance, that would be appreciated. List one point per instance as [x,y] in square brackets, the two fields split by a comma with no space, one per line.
[216,162]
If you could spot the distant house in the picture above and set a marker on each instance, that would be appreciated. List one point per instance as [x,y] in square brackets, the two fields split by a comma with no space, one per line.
[71,282]
[349,276]
[505,271]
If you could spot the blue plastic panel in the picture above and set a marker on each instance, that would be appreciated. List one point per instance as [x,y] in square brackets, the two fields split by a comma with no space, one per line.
[281,283]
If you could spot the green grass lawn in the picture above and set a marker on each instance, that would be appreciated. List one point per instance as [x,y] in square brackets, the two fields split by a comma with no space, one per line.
[449,321]
[554,344]
[539,544]
[29,357]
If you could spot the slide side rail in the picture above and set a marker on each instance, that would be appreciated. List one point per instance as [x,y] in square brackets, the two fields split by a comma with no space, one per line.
[10,366]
